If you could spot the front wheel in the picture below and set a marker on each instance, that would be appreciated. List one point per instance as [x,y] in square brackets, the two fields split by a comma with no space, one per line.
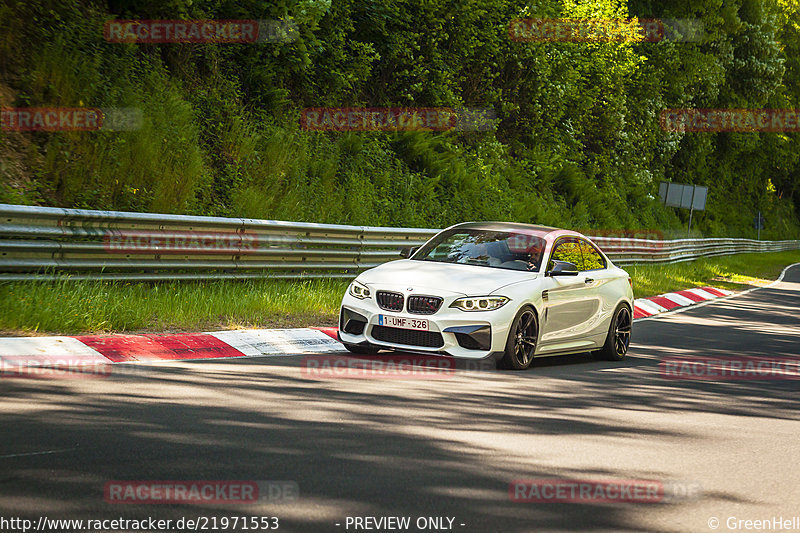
[521,343]
[619,336]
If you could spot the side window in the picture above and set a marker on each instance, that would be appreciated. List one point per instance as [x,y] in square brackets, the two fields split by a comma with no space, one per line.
[568,249]
[592,260]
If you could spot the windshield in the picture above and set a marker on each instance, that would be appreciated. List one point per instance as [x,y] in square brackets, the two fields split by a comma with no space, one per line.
[494,249]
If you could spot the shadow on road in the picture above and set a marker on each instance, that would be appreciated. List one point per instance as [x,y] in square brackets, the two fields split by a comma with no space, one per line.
[380,447]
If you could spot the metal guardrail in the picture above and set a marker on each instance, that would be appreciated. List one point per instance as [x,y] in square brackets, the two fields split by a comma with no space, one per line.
[46,242]
[41,242]
[632,251]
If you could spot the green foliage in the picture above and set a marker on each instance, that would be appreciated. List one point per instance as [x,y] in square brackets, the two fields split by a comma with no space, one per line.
[578,142]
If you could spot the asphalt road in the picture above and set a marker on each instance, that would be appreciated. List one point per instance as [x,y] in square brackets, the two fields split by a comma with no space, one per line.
[430,447]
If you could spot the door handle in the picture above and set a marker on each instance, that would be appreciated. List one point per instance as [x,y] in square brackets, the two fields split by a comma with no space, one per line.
[589,280]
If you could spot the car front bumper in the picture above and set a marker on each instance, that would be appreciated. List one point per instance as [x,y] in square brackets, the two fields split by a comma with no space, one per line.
[469,335]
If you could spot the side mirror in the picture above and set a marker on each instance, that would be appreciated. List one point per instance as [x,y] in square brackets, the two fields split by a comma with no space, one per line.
[408,252]
[563,268]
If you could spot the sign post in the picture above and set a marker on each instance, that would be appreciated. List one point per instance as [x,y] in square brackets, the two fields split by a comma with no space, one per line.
[691,197]
[760,223]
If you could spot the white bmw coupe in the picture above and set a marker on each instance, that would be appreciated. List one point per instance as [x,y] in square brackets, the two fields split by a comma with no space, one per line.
[493,289]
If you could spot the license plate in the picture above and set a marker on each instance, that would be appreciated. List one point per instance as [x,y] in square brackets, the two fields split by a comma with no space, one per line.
[418,324]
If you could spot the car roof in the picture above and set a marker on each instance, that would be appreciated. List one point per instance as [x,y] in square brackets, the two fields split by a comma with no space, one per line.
[529,229]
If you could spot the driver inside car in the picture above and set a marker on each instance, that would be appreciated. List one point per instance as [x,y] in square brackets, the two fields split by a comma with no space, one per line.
[534,256]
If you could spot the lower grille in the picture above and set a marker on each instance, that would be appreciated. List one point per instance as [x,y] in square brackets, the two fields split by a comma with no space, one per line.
[408,337]
[391,301]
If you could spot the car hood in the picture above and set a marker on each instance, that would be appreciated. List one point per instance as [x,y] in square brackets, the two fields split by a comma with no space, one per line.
[440,278]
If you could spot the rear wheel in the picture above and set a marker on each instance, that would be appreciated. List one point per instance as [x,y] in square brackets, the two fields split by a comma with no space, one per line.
[619,336]
[521,343]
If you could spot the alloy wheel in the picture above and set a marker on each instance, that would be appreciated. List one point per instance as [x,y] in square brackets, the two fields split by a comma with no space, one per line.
[622,331]
[525,338]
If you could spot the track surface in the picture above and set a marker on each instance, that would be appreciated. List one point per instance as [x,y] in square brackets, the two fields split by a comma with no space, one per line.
[429,447]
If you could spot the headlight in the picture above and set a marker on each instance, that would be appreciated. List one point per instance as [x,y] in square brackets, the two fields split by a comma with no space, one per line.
[359,290]
[480,303]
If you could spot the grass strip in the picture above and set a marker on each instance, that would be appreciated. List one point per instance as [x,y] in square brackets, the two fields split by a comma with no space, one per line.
[733,272]
[73,307]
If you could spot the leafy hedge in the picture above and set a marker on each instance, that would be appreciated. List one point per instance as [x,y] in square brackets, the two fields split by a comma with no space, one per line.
[578,142]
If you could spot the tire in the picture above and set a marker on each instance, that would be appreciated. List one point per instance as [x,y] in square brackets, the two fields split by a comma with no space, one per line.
[618,339]
[361,349]
[521,343]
